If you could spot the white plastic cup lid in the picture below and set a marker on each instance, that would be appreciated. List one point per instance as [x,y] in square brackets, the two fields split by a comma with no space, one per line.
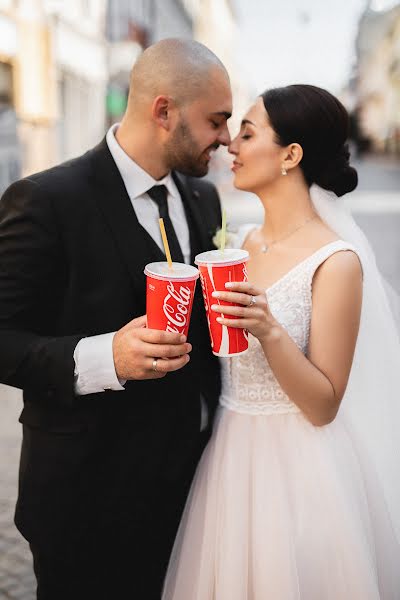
[217,258]
[179,271]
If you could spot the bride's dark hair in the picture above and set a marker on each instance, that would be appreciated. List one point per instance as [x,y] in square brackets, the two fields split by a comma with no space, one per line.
[315,119]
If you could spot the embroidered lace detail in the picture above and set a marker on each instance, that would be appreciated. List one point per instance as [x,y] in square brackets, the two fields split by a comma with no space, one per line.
[248,383]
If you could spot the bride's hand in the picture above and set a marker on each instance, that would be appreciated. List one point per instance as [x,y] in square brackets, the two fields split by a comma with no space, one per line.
[253,312]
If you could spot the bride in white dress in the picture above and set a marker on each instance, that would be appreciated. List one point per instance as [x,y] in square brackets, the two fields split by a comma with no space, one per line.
[297,494]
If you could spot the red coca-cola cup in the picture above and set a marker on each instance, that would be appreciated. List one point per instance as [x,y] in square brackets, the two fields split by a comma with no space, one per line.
[169,296]
[216,269]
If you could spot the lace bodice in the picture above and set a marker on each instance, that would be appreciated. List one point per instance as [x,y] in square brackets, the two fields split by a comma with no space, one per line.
[248,383]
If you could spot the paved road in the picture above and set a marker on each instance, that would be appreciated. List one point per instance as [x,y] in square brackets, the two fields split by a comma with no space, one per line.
[377,174]
[377,211]
[16,577]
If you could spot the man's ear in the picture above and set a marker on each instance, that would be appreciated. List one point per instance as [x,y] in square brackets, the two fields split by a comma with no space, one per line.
[161,111]
[293,155]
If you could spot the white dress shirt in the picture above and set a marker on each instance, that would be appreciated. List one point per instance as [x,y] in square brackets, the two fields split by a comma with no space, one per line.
[137,183]
[94,362]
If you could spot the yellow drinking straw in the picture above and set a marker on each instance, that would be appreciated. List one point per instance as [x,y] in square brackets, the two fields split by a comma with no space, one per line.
[223,231]
[165,242]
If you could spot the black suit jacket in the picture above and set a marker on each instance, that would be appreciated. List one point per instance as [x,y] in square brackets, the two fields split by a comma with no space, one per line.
[72,255]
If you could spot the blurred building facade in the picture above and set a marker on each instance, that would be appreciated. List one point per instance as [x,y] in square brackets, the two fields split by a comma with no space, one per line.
[65,70]
[53,70]
[376,84]
[10,162]
[130,28]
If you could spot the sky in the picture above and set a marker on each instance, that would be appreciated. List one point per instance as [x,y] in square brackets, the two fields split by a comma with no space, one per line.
[298,41]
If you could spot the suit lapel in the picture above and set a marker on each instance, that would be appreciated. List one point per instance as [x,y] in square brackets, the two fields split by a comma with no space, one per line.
[136,246]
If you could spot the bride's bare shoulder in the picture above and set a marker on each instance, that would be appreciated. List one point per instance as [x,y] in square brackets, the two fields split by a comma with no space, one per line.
[340,274]
[343,265]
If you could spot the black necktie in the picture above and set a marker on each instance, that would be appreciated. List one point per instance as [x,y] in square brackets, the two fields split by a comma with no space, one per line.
[159,194]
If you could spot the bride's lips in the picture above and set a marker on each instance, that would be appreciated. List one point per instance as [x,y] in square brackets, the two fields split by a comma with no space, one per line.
[236,165]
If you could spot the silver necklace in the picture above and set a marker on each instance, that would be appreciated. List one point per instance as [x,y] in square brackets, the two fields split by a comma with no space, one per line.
[265,247]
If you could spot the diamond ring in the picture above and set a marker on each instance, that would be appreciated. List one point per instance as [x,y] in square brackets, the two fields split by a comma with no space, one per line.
[253,301]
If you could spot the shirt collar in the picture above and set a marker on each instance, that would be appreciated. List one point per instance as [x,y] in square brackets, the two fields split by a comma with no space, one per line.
[136,180]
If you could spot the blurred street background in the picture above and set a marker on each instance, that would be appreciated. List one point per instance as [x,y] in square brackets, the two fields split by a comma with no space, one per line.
[64,73]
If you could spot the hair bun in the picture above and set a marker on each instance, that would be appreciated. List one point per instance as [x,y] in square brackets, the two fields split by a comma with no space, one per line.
[338,176]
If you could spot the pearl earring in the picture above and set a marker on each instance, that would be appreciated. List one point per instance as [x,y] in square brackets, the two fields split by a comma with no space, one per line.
[283,170]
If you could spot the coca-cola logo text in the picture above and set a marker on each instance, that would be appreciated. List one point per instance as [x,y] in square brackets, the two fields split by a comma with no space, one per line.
[176,312]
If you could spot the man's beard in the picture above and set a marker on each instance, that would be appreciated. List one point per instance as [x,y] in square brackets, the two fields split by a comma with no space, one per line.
[183,153]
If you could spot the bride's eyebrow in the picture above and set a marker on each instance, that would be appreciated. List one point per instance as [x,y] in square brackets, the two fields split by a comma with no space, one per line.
[247,122]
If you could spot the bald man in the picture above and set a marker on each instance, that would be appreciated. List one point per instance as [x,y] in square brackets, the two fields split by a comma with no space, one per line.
[115,415]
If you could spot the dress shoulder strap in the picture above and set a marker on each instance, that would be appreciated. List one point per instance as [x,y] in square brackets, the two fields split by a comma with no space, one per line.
[321,255]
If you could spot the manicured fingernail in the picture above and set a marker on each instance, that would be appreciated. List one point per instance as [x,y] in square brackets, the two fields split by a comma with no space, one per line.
[214,306]
[219,319]
[229,284]
[215,294]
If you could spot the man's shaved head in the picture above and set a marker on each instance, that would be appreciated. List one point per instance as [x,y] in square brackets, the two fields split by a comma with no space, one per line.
[176,67]
[179,102]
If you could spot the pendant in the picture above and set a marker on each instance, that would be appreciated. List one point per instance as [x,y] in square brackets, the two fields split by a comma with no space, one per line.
[264,248]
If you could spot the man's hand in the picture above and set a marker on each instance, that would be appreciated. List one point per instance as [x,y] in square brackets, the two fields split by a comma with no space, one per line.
[135,348]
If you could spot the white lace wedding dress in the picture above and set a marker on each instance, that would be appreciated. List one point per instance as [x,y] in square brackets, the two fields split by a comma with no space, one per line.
[280,509]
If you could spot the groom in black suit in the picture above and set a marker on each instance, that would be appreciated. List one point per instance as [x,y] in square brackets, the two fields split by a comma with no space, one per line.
[115,415]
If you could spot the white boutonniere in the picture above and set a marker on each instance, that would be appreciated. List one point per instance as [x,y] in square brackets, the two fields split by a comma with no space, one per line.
[230,238]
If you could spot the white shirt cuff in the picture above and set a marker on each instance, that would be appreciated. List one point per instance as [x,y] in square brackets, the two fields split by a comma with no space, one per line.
[94,365]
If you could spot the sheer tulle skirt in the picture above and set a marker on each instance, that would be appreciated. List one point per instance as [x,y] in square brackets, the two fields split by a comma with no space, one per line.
[282,510]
